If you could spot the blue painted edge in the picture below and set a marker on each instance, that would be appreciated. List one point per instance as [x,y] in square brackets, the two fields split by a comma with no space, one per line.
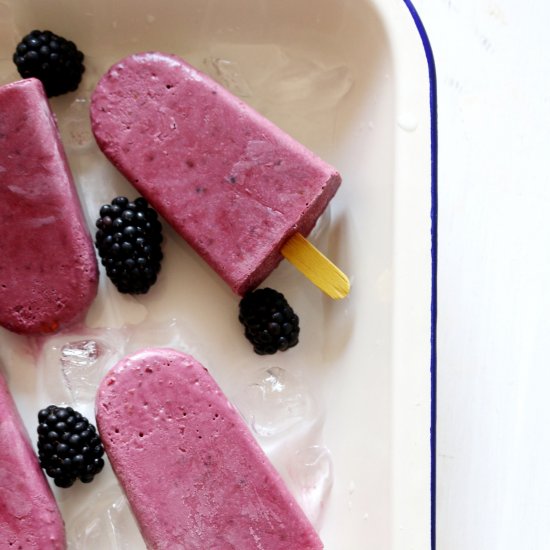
[434,213]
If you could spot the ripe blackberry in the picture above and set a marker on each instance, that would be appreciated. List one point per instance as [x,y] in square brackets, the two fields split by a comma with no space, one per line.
[128,241]
[68,446]
[270,323]
[50,58]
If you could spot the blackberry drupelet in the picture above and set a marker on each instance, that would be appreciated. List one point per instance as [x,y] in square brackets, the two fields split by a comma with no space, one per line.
[270,323]
[52,59]
[129,241]
[69,447]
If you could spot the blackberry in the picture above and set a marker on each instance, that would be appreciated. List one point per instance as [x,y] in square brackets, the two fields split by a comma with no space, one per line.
[128,240]
[52,59]
[270,323]
[69,447]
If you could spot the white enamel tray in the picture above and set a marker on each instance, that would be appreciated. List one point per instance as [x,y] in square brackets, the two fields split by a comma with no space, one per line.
[350,79]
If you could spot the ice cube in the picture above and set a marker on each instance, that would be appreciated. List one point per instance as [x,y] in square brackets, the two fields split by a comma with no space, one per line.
[311,475]
[269,74]
[79,369]
[276,403]
[71,365]
[311,85]
[242,68]
[229,75]
[82,353]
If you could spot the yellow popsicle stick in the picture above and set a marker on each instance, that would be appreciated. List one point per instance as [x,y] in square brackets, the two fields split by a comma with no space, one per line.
[316,266]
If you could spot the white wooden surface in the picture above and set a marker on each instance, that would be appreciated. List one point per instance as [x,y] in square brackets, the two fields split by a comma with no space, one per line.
[493,64]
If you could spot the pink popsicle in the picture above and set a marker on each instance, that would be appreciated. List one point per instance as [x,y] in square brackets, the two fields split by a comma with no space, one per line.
[48,272]
[193,473]
[29,517]
[230,182]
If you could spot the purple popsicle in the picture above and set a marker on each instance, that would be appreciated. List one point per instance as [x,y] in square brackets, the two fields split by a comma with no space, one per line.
[48,273]
[193,473]
[230,182]
[29,517]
